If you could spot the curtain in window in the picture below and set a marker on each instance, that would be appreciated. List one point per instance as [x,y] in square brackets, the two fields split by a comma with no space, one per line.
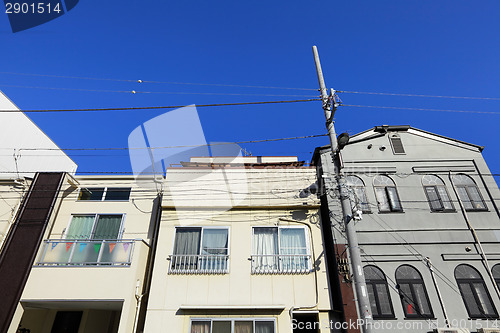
[444,197]
[214,241]
[186,248]
[265,245]
[264,327]
[108,227]
[214,248]
[80,227]
[243,327]
[362,200]
[200,327]
[293,249]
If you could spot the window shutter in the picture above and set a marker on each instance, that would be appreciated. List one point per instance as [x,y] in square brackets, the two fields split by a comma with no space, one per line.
[397,145]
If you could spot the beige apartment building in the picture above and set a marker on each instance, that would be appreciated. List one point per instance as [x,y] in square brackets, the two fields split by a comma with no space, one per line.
[218,245]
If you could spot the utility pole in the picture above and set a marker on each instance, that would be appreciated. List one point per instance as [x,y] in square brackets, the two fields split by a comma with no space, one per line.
[358,276]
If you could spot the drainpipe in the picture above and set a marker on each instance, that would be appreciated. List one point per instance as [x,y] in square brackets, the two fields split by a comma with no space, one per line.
[438,292]
[476,238]
[138,298]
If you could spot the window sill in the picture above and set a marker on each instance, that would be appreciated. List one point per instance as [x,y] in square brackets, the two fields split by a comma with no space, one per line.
[392,212]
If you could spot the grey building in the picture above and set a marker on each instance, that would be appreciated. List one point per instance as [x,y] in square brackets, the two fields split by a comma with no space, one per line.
[429,233]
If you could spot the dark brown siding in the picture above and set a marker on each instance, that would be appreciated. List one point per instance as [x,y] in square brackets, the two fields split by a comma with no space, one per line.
[24,240]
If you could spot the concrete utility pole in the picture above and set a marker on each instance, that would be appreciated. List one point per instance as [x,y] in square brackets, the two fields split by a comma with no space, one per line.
[330,106]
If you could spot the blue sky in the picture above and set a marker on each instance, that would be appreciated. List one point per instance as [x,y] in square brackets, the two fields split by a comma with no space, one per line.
[411,46]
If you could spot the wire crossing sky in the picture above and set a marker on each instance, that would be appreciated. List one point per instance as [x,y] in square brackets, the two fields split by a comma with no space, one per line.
[393,62]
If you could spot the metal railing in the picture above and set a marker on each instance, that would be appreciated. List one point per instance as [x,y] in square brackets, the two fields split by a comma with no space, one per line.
[281,263]
[199,264]
[77,252]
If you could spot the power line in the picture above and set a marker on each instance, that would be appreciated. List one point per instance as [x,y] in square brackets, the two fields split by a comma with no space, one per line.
[416,95]
[158,82]
[419,109]
[148,92]
[162,107]
[167,147]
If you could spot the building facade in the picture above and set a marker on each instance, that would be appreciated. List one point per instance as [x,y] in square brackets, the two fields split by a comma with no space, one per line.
[429,233]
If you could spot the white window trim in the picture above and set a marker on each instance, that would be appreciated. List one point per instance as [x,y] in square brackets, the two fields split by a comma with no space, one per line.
[233,320]
[103,194]
[201,240]
[120,232]
[306,235]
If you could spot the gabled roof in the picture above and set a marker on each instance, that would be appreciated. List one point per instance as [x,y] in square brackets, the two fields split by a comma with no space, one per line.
[379,131]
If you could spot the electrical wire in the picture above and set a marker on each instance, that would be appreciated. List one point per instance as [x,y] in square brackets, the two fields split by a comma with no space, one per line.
[162,107]
[416,95]
[419,109]
[148,92]
[158,82]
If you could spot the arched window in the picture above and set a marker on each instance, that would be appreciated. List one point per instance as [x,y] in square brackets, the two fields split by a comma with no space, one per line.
[378,292]
[412,291]
[468,192]
[474,293]
[496,274]
[438,197]
[358,192]
[387,195]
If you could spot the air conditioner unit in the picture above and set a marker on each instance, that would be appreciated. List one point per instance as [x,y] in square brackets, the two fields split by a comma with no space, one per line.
[488,330]
[451,330]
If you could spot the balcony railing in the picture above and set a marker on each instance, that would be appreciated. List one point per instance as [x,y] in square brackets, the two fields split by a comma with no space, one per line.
[199,264]
[281,264]
[69,252]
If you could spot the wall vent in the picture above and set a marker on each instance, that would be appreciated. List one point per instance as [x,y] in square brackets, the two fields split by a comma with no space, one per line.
[397,144]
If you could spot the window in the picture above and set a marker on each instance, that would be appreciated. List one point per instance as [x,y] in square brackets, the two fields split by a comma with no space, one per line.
[233,326]
[104,193]
[412,291]
[397,144]
[378,293]
[95,226]
[387,195]
[468,193]
[438,197]
[496,274]
[200,250]
[358,193]
[67,321]
[474,293]
[280,250]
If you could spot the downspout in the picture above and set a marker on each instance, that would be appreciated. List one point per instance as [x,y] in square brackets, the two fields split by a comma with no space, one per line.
[138,299]
[142,299]
[315,271]
[438,292]
[476,238]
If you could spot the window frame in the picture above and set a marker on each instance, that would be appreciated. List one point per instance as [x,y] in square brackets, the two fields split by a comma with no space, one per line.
[374,283]
[470,282]
[387,196]
[412,283]
[232,320]
[396,137]
[436,187]
[104,193]
[469,197]
[306,235]
[94,225]
[367,208]
[228,228]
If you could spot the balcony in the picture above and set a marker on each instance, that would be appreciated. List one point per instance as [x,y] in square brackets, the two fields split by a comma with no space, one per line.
[86,253]
[281,264]
[199,264]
